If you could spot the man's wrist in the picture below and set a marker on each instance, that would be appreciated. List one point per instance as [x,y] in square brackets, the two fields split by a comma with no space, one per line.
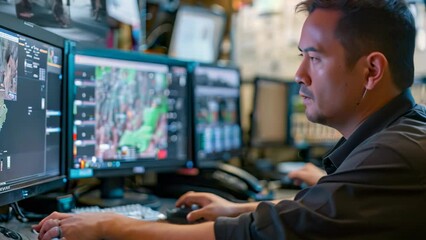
[244,208]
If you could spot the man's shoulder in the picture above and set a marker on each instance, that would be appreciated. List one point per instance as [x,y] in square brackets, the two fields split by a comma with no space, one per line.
[405,137]
[413,121]
[410,126]
[418,112]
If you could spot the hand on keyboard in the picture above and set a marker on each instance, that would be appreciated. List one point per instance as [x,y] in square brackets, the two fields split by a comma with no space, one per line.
[136,211]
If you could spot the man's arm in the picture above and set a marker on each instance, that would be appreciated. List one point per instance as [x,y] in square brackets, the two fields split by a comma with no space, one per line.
[213,206]
[113,226]
[159,231]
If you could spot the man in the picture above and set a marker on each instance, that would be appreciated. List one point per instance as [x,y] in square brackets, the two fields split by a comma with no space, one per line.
[357,63]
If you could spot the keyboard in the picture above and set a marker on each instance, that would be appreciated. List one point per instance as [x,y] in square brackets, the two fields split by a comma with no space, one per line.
[136,211]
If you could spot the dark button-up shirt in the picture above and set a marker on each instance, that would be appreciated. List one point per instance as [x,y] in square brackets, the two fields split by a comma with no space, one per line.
[375,187]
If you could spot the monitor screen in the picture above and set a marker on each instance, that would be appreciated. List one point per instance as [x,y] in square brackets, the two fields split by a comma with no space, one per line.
[129,114]
[197,34]
[31,110]
[269,122]
[218,134]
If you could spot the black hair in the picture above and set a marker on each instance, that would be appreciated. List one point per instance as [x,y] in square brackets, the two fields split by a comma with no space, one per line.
[386,26]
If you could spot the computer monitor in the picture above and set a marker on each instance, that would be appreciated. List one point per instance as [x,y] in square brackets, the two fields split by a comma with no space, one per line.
[31,110]
[197,34]
[216,99]
[130,115]
[269,119]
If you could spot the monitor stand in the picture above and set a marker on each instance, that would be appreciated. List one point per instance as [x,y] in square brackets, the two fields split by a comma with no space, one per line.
[112,192]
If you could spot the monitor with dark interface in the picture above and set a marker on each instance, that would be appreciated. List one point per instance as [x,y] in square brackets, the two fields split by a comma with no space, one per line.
[269,120]
[130,115]
[31,110]
[197,34]
[218,135]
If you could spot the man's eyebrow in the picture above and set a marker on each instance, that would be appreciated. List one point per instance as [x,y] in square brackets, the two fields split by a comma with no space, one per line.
[308,49]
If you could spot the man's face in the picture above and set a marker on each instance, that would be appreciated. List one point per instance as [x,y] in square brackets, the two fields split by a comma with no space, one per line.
[329,88]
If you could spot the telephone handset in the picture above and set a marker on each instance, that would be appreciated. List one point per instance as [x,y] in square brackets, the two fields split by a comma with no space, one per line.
[248,181]
[238,182]
[223,179]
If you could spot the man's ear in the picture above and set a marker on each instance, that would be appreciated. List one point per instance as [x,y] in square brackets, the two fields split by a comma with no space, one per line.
[377,65]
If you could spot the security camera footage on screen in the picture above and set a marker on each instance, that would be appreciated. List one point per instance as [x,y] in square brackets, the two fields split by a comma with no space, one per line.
[127,110]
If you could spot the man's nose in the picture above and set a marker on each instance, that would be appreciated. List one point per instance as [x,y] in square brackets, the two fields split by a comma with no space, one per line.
[302,76]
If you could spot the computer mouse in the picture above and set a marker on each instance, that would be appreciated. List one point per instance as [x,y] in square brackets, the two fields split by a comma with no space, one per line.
[178,215]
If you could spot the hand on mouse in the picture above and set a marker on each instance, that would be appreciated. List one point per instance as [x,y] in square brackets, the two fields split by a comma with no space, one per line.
[309,174]
[211,206]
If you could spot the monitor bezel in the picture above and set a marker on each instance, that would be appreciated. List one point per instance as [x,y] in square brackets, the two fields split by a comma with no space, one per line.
[23,190]
[235,153]
[289,90]
[132,167]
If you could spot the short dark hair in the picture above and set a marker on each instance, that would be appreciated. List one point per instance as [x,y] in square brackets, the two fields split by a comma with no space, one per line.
[386,26]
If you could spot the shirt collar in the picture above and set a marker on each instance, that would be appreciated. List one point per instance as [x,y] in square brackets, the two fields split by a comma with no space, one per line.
[375,123]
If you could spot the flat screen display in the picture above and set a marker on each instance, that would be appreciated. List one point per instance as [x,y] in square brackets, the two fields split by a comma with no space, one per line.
[31,110]
[218,133]
[128,114]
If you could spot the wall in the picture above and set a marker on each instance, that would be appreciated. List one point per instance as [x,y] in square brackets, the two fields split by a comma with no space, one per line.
[264,41]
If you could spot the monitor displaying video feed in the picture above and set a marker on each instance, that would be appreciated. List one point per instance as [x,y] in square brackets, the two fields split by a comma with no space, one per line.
[31,110]
[216,99]
[130,115]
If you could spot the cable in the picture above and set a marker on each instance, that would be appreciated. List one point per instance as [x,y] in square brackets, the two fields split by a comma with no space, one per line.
[18,213]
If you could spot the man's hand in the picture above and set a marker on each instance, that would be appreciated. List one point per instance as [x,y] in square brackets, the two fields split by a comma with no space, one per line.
[309,174]
[212,206]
